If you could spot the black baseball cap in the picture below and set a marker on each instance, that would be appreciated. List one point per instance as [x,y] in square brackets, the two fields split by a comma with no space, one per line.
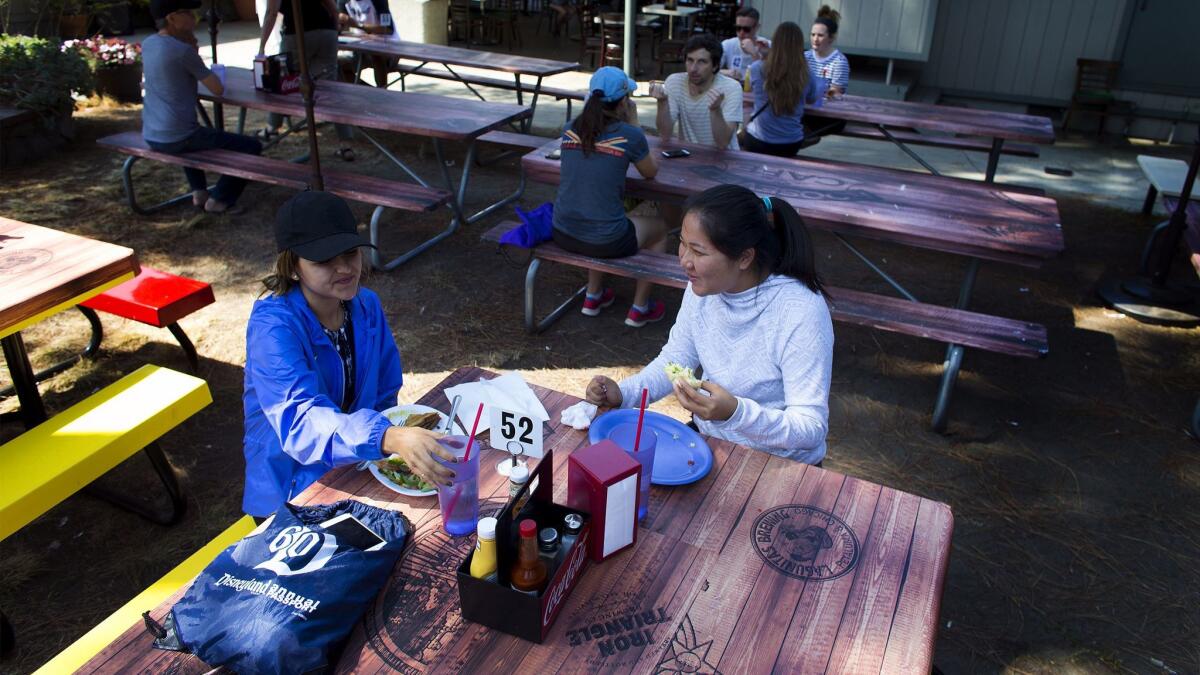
[317,226]
[159,9]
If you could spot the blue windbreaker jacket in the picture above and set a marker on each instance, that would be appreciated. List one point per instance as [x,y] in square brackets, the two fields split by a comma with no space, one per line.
[295,431]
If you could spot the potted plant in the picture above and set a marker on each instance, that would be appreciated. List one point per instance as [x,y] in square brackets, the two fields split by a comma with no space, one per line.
[113,17]
[73,19]
[38,76]
[116,65]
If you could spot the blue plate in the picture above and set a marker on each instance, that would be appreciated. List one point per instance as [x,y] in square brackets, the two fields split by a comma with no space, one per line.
[682,456]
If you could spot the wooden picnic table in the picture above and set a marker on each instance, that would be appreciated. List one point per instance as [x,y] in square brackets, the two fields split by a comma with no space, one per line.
[436,117]
[941,214]
[457,56]
[889,116]
[718,579]
[42,272]
[977,220]
[682,11]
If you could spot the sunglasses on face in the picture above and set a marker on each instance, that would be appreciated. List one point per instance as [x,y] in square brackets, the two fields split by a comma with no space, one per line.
[744,29]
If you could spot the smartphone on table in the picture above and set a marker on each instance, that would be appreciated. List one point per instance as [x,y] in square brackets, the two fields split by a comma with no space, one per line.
[677,152]
[352,532]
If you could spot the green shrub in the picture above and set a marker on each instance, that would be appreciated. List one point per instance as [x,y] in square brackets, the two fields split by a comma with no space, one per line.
[36,74]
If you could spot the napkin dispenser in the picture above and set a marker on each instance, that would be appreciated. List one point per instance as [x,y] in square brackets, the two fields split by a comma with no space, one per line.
[276,74]
[602,479]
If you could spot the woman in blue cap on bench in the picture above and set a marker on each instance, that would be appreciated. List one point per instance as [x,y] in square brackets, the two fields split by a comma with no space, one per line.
[589,212]
[320,363]
[754,316]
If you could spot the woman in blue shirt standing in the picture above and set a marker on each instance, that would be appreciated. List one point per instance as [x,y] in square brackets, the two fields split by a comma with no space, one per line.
[320,363]
[782,86]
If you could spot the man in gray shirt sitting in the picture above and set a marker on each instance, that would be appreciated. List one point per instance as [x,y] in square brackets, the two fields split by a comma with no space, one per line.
[172,66]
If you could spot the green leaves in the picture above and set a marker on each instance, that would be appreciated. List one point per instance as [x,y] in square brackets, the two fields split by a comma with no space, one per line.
[36,74]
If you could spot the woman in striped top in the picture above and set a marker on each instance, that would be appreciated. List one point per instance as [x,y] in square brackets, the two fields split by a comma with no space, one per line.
[828,63]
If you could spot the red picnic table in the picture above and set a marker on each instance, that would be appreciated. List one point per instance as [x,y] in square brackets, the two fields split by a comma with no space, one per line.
[723,577]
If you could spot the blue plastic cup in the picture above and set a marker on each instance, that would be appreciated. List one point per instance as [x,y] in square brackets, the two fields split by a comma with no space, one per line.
[459,501]
[624,436]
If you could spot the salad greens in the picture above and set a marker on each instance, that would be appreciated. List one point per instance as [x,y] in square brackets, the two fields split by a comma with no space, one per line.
[398,472]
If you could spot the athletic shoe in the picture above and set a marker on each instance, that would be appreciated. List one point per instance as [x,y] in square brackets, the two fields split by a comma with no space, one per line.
[592,307]
[638,319]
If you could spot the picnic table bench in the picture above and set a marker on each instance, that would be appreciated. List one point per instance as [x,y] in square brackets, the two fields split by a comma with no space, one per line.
[439,118]
[379,192]
[968,218]
[699,579]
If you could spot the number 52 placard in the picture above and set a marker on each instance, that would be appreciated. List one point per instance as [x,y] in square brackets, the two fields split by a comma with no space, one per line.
[509,428]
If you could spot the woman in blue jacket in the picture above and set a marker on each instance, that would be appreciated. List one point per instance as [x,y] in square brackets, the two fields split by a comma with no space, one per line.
[320,363]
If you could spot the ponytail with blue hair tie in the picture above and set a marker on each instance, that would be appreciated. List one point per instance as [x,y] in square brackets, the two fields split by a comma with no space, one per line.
[767,203]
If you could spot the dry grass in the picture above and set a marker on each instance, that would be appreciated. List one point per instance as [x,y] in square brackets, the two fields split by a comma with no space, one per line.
[1075,489]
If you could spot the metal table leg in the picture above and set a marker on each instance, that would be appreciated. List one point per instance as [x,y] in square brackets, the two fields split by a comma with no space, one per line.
[532,325]
[88,352]
[907,150]
[33,411]
[993,160]
[954,353]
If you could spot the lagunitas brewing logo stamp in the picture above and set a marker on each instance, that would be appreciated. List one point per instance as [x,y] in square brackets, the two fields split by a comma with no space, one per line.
[804,542]
[23,260]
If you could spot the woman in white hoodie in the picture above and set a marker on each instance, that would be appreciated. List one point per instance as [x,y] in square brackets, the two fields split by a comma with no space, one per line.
[754,317]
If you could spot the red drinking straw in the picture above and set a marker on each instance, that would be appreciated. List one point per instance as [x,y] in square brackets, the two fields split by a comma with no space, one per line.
[637,438]
[474,428]
[466,458]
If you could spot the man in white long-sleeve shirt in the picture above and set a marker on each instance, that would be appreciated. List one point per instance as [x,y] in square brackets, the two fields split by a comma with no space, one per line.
[754,317]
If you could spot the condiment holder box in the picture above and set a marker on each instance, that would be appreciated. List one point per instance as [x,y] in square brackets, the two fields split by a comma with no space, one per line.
[602,479]
[496,604]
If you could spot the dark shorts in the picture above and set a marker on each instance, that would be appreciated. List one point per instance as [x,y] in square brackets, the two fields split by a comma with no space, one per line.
[751,144]
[623,247]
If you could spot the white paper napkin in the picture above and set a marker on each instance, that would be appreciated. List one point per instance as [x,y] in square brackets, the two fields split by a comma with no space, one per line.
[579,416]
[508,392]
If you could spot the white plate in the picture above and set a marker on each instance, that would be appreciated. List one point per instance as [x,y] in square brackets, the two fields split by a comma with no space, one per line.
[396,415]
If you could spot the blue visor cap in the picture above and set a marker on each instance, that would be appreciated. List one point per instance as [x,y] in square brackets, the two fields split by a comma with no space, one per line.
[612,83]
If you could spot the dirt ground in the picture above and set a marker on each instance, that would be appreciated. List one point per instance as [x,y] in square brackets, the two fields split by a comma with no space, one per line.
[1074,483]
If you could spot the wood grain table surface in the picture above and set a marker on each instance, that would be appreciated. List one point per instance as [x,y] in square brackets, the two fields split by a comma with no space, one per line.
[933,117]
[943,214]
[763,565]
[373,108]
[455,56]
[43,271]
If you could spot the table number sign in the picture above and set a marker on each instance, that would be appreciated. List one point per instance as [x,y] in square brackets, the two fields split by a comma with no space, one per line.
[513,431]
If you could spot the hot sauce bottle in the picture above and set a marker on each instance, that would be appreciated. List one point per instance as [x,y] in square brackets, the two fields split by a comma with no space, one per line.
[529,574]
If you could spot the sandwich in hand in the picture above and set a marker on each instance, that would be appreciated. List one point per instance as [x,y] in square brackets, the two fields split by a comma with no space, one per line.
[677,372]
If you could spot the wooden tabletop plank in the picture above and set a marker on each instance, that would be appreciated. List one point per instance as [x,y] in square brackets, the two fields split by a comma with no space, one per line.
[761,627]
[815,619]
[914,627]
[713,615]
[877,203]
[711,583]
[950,119]
[374,108]
[455,56]
[43,271]
[870,609]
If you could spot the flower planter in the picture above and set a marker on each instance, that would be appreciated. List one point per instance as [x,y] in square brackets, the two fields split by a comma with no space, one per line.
[74,25]
[246,10]
[120,83]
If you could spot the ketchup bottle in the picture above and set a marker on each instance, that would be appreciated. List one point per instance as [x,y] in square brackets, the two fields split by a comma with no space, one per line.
[529,574]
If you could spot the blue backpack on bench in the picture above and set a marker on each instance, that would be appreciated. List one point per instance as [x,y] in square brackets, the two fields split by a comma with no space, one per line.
[285,597]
